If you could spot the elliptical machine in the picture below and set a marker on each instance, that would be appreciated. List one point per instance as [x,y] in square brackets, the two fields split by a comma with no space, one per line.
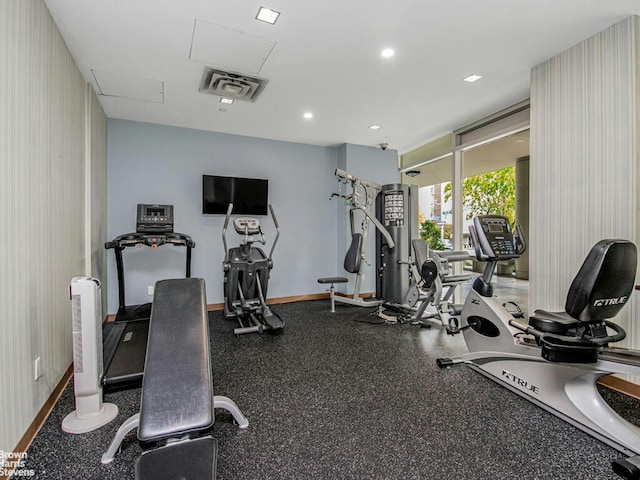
[556,359]
[246,276]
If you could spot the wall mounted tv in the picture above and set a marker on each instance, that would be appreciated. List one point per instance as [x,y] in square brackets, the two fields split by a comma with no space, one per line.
[248,195]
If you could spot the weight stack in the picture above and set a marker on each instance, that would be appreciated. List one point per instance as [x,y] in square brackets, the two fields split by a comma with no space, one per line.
[397,210]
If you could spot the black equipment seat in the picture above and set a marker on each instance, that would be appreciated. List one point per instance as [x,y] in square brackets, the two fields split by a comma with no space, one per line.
[353,257]
[188,460]
[333,280]
[177,388]
[600,289]
[552,322]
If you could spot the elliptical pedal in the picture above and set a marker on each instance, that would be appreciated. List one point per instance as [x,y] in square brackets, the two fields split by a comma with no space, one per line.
[273,321]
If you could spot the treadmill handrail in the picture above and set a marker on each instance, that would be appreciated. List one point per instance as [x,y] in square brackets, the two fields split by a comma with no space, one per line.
[133,239]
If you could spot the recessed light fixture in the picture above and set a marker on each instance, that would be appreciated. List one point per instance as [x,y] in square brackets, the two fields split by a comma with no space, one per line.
[308,115]
[388,53]
[267,15]
[413,173]
[472,78]
[228,101]
[374,127]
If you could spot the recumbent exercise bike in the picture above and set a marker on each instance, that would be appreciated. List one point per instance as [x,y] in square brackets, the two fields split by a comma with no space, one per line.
[556,358]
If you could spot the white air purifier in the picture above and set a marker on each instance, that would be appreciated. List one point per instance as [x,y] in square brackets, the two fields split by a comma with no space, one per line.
[90,412]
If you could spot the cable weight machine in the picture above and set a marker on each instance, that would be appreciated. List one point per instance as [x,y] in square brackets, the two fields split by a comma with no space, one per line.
[393,211]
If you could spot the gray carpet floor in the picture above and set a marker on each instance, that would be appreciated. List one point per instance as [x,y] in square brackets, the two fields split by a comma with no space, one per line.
[335,397]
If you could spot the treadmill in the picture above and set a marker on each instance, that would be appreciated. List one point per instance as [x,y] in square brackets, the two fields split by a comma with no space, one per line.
[125,339]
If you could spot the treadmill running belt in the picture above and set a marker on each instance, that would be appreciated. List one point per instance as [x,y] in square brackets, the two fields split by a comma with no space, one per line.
[126,368]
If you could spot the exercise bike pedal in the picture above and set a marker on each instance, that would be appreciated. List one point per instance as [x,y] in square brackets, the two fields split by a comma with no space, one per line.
[453,327]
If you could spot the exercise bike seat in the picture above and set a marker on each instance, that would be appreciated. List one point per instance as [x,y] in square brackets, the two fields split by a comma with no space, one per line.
[552,322]
[599,290]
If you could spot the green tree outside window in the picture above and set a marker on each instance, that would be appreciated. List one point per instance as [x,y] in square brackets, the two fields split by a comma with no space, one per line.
[490,193]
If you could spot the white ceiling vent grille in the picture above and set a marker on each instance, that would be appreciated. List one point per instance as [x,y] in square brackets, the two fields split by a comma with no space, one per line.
[231,85]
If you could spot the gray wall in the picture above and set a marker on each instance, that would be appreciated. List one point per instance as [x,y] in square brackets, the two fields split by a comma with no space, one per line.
[160,164]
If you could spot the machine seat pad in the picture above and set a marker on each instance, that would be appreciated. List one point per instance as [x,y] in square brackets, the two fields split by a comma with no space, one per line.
[177,388]
[186,460]
[552,322]
[454,256]
[449,279]
[333,280]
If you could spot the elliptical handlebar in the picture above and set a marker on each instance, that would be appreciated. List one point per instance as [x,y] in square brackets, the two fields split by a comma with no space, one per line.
[224,233]
[275,240]
[262,240]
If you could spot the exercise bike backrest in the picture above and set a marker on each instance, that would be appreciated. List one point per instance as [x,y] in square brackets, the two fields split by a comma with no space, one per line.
[604,283]
[493,241]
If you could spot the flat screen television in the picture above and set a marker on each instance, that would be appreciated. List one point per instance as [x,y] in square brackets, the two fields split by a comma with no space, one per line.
[248,195]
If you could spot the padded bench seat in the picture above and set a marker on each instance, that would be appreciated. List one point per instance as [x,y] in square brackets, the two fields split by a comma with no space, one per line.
[332,289]
[177,356]
[177,401]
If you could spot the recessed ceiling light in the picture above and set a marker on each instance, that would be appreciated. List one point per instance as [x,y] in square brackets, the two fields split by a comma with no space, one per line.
[228,101]
[267,15]
[472,78]
[388,53]
[308,115]
[374,127]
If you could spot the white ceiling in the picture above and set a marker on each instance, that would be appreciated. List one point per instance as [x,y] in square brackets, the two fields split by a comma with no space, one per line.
[325,58]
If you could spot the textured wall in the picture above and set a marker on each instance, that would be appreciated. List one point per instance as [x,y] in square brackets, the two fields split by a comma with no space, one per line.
[96,195]
[584,160]
[42,193]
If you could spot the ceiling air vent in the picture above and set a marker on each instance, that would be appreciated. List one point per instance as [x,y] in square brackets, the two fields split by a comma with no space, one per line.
[231,85]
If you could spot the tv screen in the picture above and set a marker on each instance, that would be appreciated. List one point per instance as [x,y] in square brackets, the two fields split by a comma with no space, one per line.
[248,195]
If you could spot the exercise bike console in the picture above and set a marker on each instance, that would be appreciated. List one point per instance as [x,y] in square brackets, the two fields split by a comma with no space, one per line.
[493,238]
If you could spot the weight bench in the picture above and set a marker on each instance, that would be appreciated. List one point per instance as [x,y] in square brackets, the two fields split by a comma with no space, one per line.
[177,402]
[352,264]
[332,288]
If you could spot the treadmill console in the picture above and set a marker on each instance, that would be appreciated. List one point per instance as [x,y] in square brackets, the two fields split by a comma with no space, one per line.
[154,219]
[495,237]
